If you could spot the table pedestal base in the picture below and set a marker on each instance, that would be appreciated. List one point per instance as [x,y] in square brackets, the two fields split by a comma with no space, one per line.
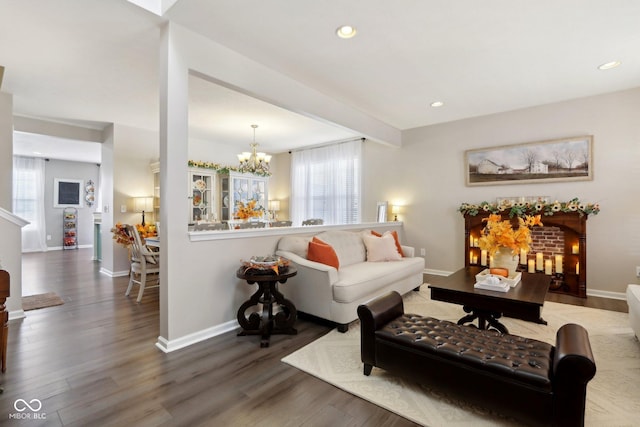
[267,323]
[486,319]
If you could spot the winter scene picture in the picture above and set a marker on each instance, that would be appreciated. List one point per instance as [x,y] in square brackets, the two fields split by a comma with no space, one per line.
[560,159]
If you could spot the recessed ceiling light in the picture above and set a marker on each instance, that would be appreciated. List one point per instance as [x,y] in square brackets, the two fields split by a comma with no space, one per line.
[437,104]
[609,65]
[346,32]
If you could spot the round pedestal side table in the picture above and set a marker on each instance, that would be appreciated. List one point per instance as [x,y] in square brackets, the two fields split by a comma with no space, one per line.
[278,313]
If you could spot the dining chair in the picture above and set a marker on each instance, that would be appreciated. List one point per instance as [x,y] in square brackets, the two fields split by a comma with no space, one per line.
[145,264]
[313,221]
[211,226]
[281,224]
[244,225]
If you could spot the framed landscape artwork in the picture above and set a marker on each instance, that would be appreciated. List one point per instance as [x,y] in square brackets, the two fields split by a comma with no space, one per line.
[567,159]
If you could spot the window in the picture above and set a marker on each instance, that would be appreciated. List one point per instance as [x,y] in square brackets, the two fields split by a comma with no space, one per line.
[28,201]
[325,183]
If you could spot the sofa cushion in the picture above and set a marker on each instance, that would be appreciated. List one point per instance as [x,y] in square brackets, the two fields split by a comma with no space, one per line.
[381,248]
[322,252]
[393,233]
[347,244]
[360,280]
[299,245]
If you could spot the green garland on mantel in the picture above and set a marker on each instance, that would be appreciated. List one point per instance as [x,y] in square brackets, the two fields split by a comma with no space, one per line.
[221,169]
[539,207]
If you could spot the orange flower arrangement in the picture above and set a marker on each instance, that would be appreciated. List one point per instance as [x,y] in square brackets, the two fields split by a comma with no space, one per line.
[121,237]
[250,210]
[500,233]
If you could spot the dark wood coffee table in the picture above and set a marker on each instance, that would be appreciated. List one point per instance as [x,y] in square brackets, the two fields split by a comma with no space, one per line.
[522,302]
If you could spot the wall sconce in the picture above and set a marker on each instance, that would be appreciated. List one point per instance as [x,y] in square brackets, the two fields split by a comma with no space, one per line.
[395,210]
[274,206]
[142,204]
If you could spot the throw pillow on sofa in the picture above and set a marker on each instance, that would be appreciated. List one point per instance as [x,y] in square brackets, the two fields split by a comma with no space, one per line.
[381,248]
[394,233]
[322,252]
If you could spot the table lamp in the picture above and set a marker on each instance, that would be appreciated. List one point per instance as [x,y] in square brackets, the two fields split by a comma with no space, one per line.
[142,204]
[274,206]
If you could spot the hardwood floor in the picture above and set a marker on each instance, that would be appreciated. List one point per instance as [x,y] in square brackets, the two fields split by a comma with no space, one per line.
[92,361]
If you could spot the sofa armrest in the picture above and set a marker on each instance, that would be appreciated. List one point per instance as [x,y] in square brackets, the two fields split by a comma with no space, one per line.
[573,368]
[373,316]
[408,251]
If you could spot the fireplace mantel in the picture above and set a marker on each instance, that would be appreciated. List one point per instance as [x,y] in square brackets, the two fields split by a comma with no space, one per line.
[573,280]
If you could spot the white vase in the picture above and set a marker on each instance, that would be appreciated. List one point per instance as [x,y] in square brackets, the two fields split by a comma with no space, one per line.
[503,258]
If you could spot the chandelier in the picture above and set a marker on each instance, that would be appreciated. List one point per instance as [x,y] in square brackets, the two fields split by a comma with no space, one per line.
[253,161]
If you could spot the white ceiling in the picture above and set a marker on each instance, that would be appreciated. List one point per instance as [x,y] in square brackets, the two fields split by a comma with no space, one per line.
[96,61]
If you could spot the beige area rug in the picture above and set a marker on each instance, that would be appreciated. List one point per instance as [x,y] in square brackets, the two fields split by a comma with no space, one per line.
[613,395]
[34,302]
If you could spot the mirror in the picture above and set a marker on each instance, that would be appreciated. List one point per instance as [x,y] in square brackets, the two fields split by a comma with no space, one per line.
[382,211]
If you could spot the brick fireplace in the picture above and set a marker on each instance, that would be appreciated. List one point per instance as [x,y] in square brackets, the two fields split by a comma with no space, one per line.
[559,249]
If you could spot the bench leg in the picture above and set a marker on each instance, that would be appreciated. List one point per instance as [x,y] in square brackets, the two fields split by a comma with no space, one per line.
[367,369]
[343,328]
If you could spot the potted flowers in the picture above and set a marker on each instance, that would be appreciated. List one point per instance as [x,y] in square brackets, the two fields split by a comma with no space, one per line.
[503,242]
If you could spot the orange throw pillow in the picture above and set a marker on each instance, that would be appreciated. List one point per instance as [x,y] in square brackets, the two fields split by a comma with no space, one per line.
[322,252]
[394,233]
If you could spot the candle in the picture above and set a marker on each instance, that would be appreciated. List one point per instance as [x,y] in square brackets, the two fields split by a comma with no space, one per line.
[577,268]
[483,257]
[491,261]
[548,267]
[475,242]
[559,264]
[475,259]
[575,249]
[539,259]
[471,257]
[470,240]
[532,266]
[523,256]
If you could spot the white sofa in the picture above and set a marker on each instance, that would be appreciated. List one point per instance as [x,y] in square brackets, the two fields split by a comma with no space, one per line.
[633,300]
[334,294]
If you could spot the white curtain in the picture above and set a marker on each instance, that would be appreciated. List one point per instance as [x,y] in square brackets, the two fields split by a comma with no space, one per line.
[326,183]
[28,201]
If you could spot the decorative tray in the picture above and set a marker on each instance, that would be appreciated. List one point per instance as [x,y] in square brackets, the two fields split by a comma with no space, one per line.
[499,285]
[512,280]
[266,265]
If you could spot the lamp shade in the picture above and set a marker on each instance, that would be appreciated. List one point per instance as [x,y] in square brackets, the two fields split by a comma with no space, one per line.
[396,209]
[143,204]
[274,205]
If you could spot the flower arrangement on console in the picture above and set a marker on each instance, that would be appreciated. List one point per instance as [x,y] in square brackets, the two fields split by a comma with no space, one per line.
[249,210]
[500,233]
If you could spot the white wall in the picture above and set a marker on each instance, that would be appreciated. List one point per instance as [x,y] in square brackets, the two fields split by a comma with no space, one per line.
[428,173]
[189,299]
[6,145]
[53,216]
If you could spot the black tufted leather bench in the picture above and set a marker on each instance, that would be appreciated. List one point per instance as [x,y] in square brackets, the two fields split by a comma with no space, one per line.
[530,380]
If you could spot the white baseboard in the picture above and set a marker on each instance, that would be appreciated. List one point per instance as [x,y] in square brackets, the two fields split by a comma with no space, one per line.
[114,273]
[606,294]
[17,314]
[168,346]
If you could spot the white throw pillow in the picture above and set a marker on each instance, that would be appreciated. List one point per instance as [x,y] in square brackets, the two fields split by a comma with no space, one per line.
[381,248]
